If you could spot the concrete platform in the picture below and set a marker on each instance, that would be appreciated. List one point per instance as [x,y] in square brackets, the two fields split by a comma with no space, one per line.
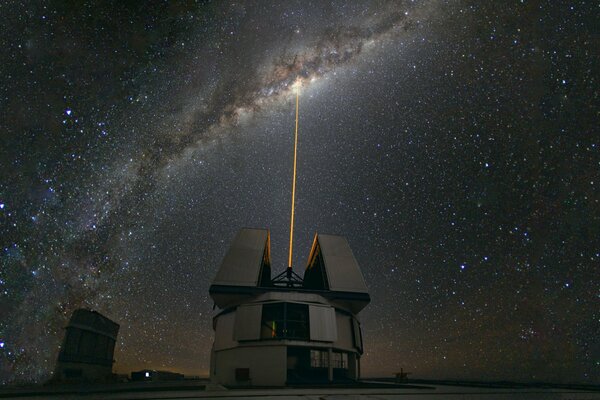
[370,391]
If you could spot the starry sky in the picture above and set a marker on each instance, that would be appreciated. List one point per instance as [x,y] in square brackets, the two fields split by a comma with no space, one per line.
[453,143]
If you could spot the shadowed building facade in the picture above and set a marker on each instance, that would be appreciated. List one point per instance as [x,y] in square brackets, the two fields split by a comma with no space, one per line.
[287,329]
[88,348]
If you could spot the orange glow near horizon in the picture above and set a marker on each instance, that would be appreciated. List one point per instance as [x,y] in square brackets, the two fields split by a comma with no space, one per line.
[294,183]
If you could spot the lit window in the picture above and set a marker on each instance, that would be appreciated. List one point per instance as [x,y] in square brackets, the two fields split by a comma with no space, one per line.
[320,359]
[284,321]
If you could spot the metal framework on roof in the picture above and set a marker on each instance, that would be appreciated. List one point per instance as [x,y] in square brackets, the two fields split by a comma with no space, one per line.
[331,271]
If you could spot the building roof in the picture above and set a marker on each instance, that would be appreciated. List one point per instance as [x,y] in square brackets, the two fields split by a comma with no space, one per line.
[245,267]
[332,272]
[93,321]
[332,266]
[246,260]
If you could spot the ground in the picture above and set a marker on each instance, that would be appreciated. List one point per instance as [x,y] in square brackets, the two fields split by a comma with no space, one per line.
[370,390]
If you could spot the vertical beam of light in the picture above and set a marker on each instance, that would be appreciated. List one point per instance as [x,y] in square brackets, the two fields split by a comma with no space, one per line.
[294,184]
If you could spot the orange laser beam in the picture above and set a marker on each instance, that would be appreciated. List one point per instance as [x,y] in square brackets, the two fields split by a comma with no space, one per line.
[294,185]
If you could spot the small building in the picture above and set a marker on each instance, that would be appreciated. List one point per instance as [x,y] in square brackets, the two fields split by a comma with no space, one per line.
[88,348]
[153,375]
[287,329]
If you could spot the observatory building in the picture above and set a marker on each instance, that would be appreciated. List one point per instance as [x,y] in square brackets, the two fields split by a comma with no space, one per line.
[287,329]
[88,348]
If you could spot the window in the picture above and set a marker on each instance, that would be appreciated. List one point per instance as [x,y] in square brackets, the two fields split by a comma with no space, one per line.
[339,360]
[320,359]
[272,321]
[284,321]
[296,321]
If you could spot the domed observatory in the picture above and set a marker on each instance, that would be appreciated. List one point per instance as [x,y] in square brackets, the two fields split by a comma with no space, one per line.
[88,348]
[287,329]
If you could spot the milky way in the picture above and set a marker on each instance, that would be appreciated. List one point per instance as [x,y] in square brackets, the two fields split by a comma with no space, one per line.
[452,143]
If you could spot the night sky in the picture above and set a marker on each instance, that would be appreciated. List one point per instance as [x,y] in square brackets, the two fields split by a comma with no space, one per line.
[454,143]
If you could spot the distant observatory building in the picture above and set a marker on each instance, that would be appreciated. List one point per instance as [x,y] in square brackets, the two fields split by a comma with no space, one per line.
[269,332]
[88,348]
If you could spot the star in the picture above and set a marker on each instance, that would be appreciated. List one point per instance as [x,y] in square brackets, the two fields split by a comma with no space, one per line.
[452,145]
